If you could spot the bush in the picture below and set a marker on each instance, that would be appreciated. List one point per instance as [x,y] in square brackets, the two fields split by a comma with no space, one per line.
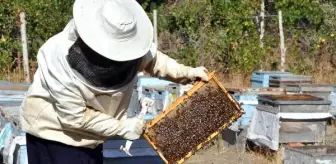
[224,35]
[221,35]
[44,19]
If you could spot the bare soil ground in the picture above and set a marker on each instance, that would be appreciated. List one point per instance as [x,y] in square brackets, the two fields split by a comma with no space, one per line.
[232,156]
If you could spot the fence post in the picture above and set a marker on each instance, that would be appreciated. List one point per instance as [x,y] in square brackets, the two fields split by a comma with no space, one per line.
[282,44]
[262,23]
[220,144]
[262,29]
[24,47]
[155,27]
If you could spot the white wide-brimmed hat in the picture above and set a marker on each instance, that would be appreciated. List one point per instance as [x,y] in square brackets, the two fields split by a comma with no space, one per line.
[119,30]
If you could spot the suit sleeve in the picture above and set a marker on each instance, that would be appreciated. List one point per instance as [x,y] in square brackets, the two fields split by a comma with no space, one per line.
[161,65]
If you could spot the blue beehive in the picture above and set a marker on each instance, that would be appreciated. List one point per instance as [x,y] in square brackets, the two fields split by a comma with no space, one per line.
[139,147]
[245,120]
[134,105]
[159,90]
[142,152]
[151,81]
[248,99]
[248,103]
[261,79]
[332,98]
[21,152]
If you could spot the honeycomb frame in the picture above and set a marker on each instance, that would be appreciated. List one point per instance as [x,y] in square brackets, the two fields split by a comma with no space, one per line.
[180,100]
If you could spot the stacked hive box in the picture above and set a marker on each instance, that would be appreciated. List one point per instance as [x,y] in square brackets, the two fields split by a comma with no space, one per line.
[261,79]
[310,155]
[11,97]
[282,81]
[248,99]
[303,117]
[324,91]
[235,136]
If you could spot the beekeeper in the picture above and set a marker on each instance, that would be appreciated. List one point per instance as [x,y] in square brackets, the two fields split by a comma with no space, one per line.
[84,82]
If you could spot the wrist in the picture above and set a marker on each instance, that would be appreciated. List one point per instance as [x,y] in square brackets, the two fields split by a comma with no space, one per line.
[187,72]
[121,131]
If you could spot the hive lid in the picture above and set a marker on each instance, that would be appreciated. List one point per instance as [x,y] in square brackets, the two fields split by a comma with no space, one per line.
[257,91]
[293,99]
[290,78]
[271,72]
[311,87]
[155,136]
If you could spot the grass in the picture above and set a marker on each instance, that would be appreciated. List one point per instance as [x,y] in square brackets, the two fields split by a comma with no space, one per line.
[232,156]
[231,80]
[322,70]
[16,75]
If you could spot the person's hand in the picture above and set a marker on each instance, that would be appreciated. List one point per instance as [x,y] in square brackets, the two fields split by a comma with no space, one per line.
[133,128]
[199,72]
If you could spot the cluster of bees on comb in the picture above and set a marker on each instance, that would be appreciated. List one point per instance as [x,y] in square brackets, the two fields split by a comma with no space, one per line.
[182,130]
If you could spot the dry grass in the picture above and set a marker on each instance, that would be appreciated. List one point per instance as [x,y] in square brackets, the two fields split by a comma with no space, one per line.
[17,75]
[324,73]
[235,80]
[232,156]
[231,80]
[322,70]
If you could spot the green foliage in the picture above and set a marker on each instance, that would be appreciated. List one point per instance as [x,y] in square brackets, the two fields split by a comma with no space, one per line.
[301,11]
[224,34]
[44,19]
[220,34]
[8,34]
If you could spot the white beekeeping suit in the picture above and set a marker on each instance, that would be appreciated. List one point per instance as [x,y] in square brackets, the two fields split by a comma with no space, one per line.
[87,72]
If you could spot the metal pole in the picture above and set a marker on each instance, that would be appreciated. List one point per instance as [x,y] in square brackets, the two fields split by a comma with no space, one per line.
[24,47]
[282,44]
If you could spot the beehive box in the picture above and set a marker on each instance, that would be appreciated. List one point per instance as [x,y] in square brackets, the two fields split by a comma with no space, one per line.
[248,100]
[282,81]
[319,90]
[310,155]
[261,79]
[297,128]
[192,121]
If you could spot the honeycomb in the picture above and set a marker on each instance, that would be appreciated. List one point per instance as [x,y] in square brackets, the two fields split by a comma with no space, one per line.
[192,121]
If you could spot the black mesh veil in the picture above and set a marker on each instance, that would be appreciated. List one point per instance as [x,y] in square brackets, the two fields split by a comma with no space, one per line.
[98,70]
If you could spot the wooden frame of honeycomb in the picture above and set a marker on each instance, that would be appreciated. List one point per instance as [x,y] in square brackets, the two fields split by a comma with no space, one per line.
[173,109]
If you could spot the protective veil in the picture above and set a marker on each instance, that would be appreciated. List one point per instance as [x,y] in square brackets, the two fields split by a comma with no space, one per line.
[98,70]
